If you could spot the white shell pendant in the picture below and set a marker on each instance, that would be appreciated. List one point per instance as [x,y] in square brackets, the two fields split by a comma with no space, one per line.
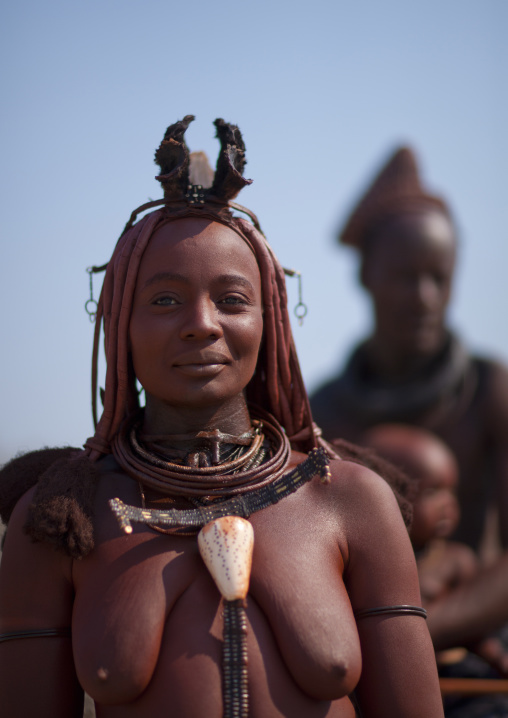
[226,547]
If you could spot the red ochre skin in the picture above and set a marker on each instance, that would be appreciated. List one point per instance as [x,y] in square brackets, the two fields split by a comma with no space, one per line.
[196,324]
[145,613]
[410,283]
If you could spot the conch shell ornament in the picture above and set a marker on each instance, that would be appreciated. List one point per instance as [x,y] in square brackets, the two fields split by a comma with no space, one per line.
[226,547]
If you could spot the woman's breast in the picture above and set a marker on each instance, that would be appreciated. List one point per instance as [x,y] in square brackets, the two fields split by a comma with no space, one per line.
[124,593]
[299,591]
[148,616]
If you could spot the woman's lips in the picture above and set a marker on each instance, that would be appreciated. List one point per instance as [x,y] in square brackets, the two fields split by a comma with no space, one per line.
[201,370]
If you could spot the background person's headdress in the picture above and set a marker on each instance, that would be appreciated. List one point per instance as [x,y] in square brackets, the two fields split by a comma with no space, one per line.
[396,189]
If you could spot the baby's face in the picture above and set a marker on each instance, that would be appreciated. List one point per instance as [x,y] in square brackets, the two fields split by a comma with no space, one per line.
[436,509]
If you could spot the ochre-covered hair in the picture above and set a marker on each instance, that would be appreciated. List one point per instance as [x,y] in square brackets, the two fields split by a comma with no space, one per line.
[277,384]
[396,190]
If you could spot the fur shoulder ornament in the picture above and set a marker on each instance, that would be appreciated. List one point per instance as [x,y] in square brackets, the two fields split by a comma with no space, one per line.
[61,512]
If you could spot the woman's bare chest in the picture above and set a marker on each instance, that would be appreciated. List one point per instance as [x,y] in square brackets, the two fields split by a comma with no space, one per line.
[148,597]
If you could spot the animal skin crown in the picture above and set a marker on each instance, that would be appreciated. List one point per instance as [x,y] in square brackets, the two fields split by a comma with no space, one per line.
[175,162]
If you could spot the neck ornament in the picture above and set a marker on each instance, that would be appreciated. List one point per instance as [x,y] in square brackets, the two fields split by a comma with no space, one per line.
[250,461]
[243,505]
[441,389]
[214,449]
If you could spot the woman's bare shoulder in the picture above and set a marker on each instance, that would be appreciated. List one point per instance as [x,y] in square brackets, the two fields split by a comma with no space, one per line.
[357,483]
[352,485]
[380,565]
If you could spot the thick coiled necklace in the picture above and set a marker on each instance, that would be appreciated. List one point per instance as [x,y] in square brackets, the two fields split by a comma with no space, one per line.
[256,459]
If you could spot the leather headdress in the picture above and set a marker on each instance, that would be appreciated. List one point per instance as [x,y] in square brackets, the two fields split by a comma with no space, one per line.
[172,156]
[189,183]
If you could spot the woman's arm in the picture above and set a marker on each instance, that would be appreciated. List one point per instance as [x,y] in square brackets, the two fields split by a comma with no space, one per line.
[37,676]
[399,675]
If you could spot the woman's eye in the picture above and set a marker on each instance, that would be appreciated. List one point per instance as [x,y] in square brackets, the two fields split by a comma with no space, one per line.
[164,301]
[233,300]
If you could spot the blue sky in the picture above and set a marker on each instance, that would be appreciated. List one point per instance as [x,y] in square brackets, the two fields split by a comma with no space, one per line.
[322,92]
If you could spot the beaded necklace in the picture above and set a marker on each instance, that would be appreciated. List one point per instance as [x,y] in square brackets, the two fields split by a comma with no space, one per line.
[243,506]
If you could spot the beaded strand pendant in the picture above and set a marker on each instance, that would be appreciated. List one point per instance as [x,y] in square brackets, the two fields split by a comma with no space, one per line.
[226,546]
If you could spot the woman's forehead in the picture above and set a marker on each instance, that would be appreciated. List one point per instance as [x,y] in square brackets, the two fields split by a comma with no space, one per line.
[195,240]
[175,232]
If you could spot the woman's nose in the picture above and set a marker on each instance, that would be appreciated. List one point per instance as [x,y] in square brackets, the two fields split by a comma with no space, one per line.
[201,320]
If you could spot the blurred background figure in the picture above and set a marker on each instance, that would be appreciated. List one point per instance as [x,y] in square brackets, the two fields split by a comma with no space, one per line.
[463,602]
[413,368]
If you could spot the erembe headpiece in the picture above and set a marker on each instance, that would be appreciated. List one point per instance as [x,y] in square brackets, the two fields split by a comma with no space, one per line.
[173,158]
[397,189]
[190,185]
[192,189]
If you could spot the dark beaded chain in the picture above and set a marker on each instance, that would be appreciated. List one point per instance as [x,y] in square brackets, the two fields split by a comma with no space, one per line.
[240,505]
[235,660]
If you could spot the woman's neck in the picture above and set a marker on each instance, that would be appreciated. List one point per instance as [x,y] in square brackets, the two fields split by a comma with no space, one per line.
[181,424]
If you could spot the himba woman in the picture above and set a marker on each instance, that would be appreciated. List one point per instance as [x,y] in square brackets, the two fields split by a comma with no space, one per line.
[127,569]
[412,369]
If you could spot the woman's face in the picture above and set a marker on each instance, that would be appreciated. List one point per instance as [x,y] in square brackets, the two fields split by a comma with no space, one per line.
[408,271]
[197,318]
